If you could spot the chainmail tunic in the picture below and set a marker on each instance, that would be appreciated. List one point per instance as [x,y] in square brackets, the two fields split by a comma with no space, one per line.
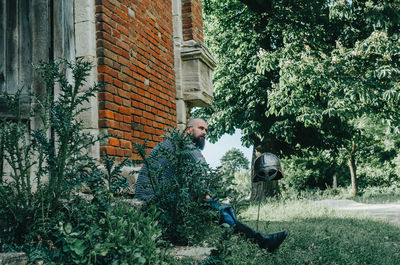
[143,189]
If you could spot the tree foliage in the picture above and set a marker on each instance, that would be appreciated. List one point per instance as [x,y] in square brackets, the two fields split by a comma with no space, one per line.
[297,74]
[233,161]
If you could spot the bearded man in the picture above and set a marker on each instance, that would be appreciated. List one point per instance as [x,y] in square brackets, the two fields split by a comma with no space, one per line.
[197,129]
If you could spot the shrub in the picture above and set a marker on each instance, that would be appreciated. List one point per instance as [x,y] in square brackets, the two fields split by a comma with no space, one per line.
[120,235]
[42,211]
[46,163]
[242,184]
[312,170]
[185,216]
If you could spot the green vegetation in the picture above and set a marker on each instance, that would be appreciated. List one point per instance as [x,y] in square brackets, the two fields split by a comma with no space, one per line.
[234,171]
[44,213]
[42,209]
[180,184]
[315,82]
[317,235]
[232,161]
[389,194]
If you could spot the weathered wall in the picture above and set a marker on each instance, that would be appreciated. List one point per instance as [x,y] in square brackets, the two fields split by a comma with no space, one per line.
[148,53]
[193,62]
[136,61]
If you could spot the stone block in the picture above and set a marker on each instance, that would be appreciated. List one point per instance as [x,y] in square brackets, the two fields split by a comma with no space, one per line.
[84,10]
[94,150]
[180,112]
[85,36]
[177,27]
[197,66]
[19,258]
[90,116]
[194,255]
[176,7]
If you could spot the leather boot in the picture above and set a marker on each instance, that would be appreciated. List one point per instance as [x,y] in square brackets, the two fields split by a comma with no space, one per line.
[269,242]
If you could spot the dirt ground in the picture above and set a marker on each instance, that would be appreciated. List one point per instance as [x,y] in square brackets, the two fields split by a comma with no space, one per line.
[389,212]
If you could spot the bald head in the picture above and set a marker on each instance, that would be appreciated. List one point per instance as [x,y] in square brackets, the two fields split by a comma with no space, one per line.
[193,122]
[198,129]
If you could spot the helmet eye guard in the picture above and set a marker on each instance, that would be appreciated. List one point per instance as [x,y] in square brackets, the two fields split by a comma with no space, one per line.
[267,167]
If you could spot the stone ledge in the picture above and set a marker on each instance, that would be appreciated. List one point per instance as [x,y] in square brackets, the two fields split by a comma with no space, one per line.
[195,255]
[18,258]
[196,76]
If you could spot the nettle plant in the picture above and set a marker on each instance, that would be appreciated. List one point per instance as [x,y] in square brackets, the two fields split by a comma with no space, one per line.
[185,216]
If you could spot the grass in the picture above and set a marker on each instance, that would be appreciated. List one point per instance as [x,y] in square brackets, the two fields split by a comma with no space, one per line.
[317,235]
[373,195]
[379,195]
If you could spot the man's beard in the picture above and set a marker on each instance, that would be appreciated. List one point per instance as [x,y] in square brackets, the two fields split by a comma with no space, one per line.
[199,142]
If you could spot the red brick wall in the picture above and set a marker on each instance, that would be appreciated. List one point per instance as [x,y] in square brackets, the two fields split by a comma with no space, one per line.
[136,61]
[192,20]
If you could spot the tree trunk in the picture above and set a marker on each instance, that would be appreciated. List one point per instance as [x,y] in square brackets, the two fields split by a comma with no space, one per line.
[261,190]
[334,181]
[352,167]
[353,170]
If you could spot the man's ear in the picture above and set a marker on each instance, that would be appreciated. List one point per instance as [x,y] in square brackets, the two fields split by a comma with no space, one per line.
[188,131]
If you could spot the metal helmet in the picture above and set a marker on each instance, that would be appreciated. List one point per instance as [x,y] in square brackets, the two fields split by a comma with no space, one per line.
[267,167]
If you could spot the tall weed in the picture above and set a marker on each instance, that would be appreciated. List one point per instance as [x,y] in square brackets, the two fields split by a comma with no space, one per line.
[42,211]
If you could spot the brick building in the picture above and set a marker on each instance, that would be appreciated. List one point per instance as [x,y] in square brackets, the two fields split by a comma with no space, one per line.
[150,54]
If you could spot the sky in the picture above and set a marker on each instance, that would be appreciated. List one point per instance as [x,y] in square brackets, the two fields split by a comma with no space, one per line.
[214,152]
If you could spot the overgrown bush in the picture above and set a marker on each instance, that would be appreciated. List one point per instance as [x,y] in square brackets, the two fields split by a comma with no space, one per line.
[313,170]
[46,163]
[316,170]
[242,184]
[380,194]
[378,170]
[42,211]
[184,214]
[120,235]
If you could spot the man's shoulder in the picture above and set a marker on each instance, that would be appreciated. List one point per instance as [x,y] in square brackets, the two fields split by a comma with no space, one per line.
[198,156]
[162,147]
[166,144]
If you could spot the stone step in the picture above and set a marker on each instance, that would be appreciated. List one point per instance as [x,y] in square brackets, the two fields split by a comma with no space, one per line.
[19,258]
[195,255]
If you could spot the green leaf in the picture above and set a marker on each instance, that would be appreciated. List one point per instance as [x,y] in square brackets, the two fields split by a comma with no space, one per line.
[68,228]
[79,247]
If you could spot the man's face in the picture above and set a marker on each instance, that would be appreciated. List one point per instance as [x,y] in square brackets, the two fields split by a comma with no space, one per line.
[199,132]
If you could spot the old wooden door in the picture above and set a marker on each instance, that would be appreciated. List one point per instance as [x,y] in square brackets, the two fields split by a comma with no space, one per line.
[15,48]
[32,31]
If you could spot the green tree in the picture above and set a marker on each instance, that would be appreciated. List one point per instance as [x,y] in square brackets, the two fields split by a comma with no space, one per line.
[295,74]
[233,161]
[379,154]
[235,174]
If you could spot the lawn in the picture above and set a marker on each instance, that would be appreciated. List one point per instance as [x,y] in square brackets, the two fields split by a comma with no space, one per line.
[380,195]
[317,235]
